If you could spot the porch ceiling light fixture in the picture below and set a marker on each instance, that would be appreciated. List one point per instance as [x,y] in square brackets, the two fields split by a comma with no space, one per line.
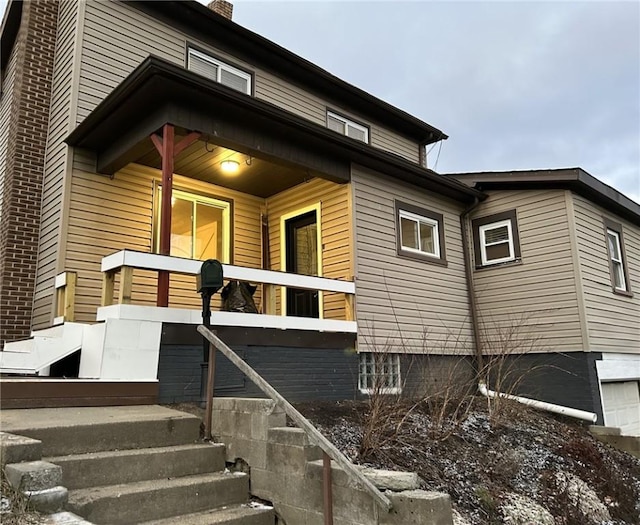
[229,166]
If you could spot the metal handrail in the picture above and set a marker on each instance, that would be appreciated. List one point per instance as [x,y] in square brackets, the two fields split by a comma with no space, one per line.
[314,435]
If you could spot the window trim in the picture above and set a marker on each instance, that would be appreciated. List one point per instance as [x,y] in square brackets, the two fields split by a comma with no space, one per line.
[193,196]
[222,64]
[429,217]
[617,230]
[347,121]
[396,365]
[480,225]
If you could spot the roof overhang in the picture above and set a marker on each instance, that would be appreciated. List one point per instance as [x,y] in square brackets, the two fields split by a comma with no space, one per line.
[195,19]
[159,92]
[574,179]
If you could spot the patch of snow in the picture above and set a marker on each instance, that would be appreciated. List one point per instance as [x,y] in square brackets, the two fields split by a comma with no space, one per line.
[5,505]
[520,510]
[458,519]
[581,495]
[258,505]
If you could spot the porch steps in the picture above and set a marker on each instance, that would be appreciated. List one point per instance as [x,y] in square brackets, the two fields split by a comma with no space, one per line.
[137,464]
[239,515]
[46,347]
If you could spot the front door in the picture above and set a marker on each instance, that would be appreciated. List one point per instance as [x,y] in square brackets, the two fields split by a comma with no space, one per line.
[301,251]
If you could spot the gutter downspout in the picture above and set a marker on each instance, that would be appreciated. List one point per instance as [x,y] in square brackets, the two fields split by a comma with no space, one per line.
[542,405]
[471,292]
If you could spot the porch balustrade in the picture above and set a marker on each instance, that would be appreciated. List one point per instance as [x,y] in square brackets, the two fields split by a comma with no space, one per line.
[126,261]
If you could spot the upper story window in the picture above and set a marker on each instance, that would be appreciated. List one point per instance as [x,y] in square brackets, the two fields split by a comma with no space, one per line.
[220,71]
[420,233]
[347,127]
[617,260]
[200,226]
[496,239]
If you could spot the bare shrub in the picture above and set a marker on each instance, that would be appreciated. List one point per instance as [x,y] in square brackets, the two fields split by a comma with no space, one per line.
[17,510]
[506,344]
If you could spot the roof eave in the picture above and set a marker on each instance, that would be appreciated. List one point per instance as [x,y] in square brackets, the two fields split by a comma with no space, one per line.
[154,69]
[197,18]
[575,179]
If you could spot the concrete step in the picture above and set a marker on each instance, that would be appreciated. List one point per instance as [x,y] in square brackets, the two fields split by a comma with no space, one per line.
[157,499]
[127,466]
[237,515]
[80,430]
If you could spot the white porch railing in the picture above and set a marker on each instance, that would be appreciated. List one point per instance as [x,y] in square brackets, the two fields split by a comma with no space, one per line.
[125,261]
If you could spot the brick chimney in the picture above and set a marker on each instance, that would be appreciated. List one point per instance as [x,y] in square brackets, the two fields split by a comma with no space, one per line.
[24,110]
[222,7]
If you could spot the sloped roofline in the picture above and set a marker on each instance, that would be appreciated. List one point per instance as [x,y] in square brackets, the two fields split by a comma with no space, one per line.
[196,19]
[163,82]
[575,179]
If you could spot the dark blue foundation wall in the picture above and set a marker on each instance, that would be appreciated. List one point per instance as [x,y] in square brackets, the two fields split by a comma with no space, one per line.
[301,365]
[568,379]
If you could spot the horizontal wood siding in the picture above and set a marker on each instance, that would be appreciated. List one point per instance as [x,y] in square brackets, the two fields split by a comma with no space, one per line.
[336,232]
[403,304]
[107,215]
[613,320]
[117,37]
[531,306]
[56,157]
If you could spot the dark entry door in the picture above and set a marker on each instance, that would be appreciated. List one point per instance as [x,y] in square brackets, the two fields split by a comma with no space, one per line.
[301,237]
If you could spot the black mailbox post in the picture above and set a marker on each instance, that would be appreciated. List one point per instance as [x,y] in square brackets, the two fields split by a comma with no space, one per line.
[208,281]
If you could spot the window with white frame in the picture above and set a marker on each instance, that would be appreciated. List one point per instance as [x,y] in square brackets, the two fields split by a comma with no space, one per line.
[347,127]
[617,263]
[496,239]
[379,373]
[420,233]
[615,253]
[200,226]
[220,71]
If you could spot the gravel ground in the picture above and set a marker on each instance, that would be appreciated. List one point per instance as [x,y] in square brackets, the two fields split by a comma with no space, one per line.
[520,466]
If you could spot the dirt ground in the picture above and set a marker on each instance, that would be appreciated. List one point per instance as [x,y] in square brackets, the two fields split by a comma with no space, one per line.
[514,465]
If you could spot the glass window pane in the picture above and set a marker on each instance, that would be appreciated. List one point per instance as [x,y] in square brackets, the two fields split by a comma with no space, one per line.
[228,78]
[496,234]
[427,241]
[356,133]
[409,233]
[618,275]
[614,248]
[335,124]
[208,232]
[498,251]
[203,67]
[181,225]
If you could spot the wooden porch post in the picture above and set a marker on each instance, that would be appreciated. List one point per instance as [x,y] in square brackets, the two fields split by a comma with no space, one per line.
[168,150]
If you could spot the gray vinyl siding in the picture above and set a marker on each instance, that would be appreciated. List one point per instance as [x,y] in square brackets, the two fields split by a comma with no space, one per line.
[533,303]
[107,215]
[401,302]
[6,104]
[613,320]
[118,37]
[50,242]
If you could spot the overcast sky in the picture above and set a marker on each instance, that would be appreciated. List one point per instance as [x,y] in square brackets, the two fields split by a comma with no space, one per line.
[515,85]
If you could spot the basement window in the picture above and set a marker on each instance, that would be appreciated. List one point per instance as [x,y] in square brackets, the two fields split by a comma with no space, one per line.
[347,127]
[379,373]
[219,71]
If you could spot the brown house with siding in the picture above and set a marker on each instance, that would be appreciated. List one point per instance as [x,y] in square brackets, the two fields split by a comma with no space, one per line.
[174,135]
